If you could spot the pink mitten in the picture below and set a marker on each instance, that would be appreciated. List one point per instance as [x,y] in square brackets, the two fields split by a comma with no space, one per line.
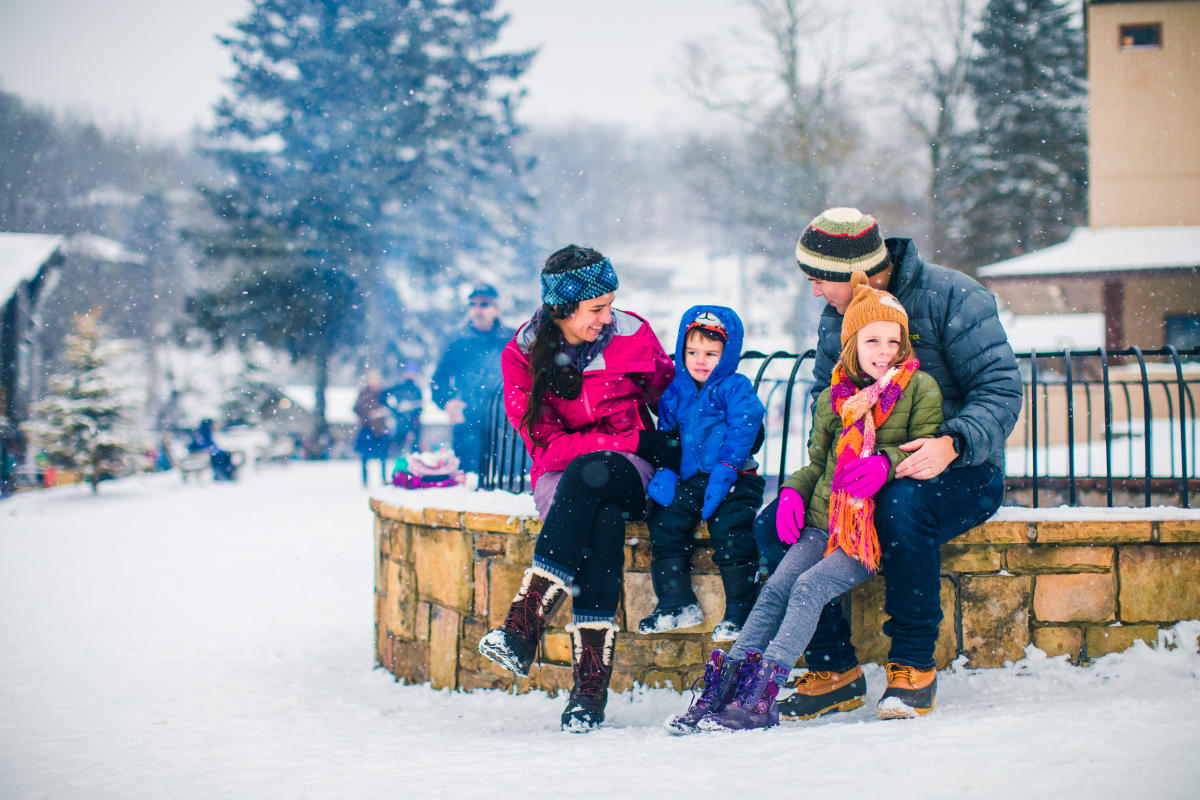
[789,516]
[862,477]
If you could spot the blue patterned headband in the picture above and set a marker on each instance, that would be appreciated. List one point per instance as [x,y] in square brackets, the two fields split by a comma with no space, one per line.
[582,283]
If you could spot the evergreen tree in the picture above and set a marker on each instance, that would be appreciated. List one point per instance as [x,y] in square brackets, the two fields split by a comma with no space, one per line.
[81,422]
[1023,184]
[370,137]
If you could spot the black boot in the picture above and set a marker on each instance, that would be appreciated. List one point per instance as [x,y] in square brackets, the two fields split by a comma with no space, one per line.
[592,659]
[677,605]
[514,644]
[741,590]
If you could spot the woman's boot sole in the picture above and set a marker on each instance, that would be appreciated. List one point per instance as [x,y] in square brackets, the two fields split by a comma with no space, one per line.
[503,657]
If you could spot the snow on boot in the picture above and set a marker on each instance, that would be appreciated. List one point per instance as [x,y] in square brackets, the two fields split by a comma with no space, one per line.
[661,621]
[514,644]
[910,692]
[718,677]
[726,631]
[592,659]
[677,605]
[753,704]
[818,693]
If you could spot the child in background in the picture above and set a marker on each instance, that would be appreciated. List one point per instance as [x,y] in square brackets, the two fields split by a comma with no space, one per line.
[718,417]
[877,401]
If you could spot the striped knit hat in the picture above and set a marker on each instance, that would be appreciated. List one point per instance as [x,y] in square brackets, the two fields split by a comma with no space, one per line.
[840,242]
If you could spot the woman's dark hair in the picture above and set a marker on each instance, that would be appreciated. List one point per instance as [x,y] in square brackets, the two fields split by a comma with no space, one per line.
[549,372]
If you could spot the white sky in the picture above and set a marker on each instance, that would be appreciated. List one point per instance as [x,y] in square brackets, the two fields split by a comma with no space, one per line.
[156,65]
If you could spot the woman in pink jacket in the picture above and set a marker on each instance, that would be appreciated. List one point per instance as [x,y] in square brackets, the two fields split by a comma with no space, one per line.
[578,381]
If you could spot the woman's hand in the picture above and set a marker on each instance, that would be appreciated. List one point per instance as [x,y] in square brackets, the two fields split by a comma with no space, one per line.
[661,449]
[789,516]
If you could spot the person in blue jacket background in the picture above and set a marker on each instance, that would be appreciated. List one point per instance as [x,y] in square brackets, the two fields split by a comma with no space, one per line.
[718,417]
[468,374]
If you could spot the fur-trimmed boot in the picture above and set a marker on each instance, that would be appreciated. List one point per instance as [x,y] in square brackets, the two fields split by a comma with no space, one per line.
[592,659]
[753,704]
[719,674]
[514,644]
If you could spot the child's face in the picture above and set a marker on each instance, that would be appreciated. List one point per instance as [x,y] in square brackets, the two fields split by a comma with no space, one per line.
[878,345]
[700,356]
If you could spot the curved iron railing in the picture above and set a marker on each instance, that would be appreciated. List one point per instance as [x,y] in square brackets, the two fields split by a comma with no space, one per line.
[1097,427]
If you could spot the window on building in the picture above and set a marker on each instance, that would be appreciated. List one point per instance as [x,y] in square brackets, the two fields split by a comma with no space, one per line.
[1143,34]
[1183,331]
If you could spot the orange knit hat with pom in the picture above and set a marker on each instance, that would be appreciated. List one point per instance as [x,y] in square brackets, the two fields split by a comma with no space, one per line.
[871,305]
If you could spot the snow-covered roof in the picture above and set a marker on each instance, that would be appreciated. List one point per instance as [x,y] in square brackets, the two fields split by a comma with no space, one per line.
[1089,250]
[21,256]
[1053,331]
[339,401]
[101,248]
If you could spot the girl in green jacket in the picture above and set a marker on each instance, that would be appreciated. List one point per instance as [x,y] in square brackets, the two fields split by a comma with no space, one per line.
[878,400]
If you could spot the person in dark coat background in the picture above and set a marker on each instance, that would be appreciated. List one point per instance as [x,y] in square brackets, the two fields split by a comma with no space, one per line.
[468,374]
[374,436]
[403,399]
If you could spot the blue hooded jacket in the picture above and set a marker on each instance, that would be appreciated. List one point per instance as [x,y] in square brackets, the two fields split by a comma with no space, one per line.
[719,420]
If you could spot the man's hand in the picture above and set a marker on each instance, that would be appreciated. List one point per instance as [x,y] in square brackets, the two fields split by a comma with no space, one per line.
[454,410]
[928,458]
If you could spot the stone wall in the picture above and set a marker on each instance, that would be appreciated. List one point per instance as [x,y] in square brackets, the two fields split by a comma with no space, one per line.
[443,578]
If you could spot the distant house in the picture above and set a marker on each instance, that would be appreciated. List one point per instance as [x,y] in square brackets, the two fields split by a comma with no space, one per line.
[29,265]
[1138,261]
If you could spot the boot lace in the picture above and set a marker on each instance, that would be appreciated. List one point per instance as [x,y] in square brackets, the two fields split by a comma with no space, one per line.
[745,682]
[590,682]
[523,616]
[811,678]
[895,672]
[712,684]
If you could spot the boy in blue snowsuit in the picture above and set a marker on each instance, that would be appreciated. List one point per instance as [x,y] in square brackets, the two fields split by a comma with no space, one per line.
[719,417]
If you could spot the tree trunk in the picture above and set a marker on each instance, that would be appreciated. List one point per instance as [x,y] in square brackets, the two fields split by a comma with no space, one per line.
[321,440]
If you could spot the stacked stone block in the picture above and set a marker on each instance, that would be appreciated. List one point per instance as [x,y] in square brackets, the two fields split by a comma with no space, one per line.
[1084,589]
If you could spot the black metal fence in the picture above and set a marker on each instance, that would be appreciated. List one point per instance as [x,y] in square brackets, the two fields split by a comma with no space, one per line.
[1097,427]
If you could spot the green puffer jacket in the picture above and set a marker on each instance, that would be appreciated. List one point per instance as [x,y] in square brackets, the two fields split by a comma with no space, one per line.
[918,414]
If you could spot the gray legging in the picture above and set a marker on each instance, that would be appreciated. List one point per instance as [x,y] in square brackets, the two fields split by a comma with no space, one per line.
[785,616]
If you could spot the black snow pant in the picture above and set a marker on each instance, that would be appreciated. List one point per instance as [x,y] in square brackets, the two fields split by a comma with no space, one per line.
[583,537]
[730,529]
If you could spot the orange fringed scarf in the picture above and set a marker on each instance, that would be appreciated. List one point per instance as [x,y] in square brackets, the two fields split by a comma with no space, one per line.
[852,519]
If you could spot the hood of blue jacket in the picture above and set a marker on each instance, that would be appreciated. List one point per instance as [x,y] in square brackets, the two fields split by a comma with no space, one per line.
[729,357]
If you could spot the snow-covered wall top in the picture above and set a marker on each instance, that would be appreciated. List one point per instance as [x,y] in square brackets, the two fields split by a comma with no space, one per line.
[460,498]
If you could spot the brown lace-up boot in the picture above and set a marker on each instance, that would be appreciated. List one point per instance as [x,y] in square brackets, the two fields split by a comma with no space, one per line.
[818,693]
[592,658]
[514,644]
[910,692]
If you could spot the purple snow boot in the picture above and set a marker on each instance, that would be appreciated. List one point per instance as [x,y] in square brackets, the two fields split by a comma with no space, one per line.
[753,704]
[718,679]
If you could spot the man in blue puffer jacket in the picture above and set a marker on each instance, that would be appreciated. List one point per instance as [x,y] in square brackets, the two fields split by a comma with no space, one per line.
[946,486]
[718,417]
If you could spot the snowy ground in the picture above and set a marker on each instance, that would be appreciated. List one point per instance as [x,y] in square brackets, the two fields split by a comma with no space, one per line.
[163,640]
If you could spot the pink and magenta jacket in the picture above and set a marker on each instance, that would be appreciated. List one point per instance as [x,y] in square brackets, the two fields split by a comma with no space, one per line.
[628,376]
